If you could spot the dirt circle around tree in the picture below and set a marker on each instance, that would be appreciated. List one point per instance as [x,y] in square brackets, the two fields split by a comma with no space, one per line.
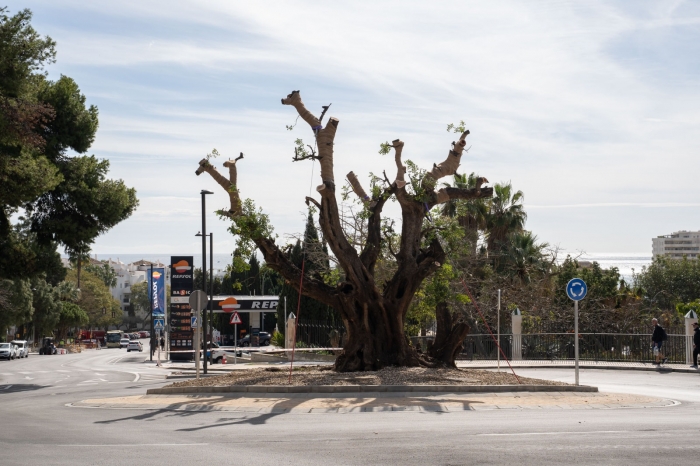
[322,375]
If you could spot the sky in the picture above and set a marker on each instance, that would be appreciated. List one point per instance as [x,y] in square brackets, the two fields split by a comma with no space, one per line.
[589,108]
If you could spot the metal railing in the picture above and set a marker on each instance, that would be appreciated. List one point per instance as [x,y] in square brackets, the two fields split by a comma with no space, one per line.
[625,347]
[319,334]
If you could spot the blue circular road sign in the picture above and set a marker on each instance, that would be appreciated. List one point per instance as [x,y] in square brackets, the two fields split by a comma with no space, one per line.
[576,289]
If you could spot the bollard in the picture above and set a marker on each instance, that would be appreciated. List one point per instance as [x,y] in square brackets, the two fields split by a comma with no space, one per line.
[690,318]
[517,327]
[290,335]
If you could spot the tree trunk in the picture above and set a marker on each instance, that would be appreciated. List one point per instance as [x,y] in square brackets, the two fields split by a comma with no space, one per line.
[375,339]
[449,338]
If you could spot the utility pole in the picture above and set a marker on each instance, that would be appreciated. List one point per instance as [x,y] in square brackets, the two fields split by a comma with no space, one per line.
[204,270]
[150,294]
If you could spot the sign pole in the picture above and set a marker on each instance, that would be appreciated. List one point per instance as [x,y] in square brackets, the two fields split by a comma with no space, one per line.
[576,290]
[196,344]
[576,338]
[150,294]
[498,332]
[235,344]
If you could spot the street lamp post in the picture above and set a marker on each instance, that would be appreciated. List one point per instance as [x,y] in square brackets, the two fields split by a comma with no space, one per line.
[211,290]
[204,269]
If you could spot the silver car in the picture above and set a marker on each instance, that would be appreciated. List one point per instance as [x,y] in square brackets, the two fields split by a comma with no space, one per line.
[7,351]
[22,348]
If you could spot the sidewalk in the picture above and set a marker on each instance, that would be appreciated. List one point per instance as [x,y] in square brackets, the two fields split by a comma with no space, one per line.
[567,364]
[373,402]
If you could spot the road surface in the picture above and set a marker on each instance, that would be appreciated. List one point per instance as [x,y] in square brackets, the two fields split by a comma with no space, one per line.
[40,426]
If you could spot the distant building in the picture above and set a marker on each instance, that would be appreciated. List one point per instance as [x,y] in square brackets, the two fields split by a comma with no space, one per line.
[127,276]
[676,245]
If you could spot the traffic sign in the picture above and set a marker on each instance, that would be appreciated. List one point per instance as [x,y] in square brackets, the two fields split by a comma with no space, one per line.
[158,324]
[193,322]
[576,289]
[198,300]
[236,319]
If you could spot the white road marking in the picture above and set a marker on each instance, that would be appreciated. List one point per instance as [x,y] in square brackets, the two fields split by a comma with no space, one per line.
[8,386]
[559,433]
[124,445]
[29,378]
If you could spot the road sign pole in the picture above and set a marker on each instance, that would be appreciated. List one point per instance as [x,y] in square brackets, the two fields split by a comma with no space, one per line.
[498,332]
[196,344]
[235,344]
[576,338]
[150,294]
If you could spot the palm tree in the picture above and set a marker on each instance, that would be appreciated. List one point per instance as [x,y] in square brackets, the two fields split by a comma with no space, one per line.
[506,215]
[524,256]
[471,214]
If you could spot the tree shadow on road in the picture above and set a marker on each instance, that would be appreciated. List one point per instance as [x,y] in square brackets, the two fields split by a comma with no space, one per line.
[286,405]
[20,387]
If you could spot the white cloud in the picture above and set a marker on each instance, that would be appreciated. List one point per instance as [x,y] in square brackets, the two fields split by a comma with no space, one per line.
[562,98]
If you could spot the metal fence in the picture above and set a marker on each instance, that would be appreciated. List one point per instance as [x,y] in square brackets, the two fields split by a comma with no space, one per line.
[313,334]
[626,347]
[592,347]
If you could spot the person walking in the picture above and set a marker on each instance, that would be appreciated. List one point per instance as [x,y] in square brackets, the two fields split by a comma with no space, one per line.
[657,339]
[696,345]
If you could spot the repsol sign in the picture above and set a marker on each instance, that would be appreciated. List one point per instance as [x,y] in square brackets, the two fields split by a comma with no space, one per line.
[245,303]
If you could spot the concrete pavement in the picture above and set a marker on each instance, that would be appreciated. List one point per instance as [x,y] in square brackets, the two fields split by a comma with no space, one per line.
[46,427]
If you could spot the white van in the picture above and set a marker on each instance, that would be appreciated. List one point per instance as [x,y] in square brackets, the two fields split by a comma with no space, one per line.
[22,348]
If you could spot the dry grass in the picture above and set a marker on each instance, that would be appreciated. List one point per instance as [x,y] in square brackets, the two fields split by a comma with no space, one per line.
[310,375]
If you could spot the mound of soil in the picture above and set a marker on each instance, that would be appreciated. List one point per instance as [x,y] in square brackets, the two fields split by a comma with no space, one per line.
[316,375]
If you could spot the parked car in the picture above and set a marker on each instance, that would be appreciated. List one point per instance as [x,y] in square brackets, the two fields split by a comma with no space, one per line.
[264,339]
[22,348]
[7,351]
[134,345]
[124,342]
[144,334]
[215,354]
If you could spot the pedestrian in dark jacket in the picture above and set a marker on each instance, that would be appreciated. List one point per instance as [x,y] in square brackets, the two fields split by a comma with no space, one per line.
[657,339]
[696,345]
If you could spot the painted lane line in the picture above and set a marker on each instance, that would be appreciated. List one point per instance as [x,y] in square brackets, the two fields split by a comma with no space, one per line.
[559,433]
[6,387]
[122,445]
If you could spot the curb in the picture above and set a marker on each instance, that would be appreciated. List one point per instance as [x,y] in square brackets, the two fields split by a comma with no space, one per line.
[370,389]
[685,370]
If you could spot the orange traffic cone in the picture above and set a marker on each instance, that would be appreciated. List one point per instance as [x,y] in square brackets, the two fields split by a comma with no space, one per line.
[223,359]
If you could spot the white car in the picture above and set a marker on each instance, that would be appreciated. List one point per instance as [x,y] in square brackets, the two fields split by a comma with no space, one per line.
[7,351]
[124,342]
[22,348]
[134,345]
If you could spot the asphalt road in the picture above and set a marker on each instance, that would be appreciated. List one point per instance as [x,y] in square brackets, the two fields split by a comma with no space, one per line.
[38,426]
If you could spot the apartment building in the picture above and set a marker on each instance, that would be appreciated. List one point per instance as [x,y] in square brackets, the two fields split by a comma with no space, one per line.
[129,275]
[676,245]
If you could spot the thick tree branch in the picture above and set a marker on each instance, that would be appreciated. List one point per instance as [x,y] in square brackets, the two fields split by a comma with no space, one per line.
[446,194]
[373,246]
[228,185]
[400,182]
[357,189]
[279,262]
[450,165]
[324,139]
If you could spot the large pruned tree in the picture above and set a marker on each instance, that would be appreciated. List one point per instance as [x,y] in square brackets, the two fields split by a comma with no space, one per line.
[373,314]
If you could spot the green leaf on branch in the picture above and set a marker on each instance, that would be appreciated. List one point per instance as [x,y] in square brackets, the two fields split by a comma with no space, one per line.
[384,148]
[459,129]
